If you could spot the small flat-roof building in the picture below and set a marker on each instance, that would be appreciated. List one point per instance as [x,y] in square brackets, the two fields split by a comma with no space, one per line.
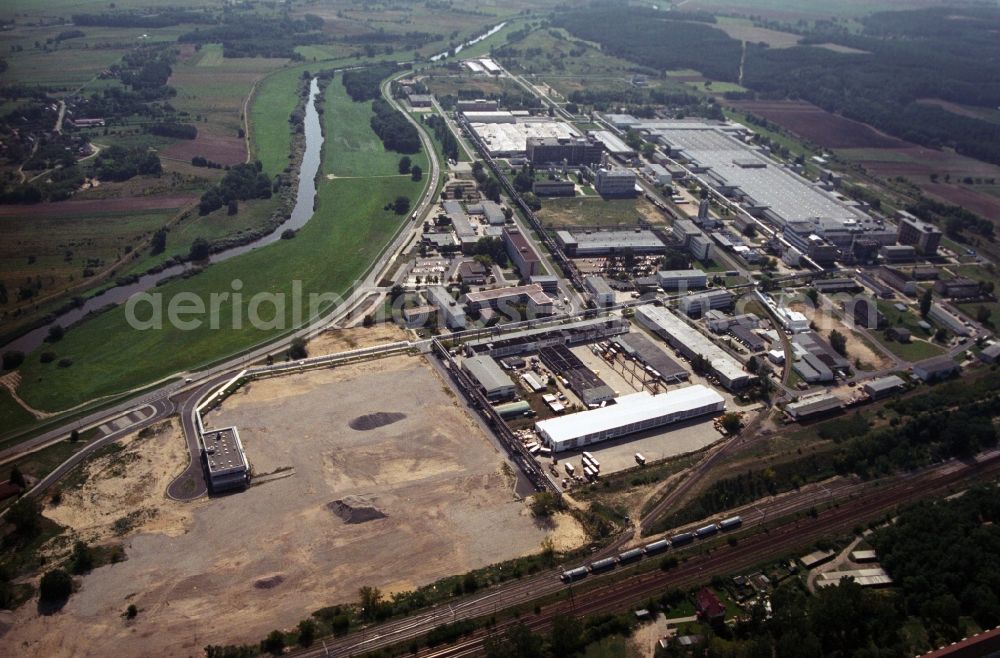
[603,294]
[883,386]
[548,282]
[472,272]
[682,279]
[420,100]
[451,311]
[490,377]
[939,367]
[582,243]
[990,354]
[631,413]
[701,303]
[814,406]
[537,301]
[225,461]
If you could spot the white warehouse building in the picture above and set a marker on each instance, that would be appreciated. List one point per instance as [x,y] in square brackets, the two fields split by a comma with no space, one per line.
[631,413]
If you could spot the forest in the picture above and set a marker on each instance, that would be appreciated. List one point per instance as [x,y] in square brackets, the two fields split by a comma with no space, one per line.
[395,131]
[259,36]
[364,84]
[242,181]
[905,56]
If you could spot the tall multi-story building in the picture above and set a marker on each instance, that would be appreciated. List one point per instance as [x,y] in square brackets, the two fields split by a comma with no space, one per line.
[924,236]
[553,150]
[615,182]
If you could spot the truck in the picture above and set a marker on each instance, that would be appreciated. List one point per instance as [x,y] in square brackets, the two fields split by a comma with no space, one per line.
[569,469]
[639,459]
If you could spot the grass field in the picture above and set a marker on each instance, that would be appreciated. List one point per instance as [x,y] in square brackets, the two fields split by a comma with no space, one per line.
[12,415]
[359,150]
[595,211]
[348,230]
[274,101]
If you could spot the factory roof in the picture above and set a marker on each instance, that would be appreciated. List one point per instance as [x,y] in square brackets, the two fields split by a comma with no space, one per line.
[486,371]
[737,164]
[679,274]
[871,577]
[935,367]
[611,142]
[460,220]
[629,409]
[613,239]
[511,137]
[694,340]
[650,353]
[223,450]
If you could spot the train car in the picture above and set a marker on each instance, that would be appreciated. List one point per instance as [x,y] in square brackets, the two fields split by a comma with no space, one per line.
[706,531]
[606,564]
[681,539]
[657,547]
[630,556]
[731,523]
[574,574]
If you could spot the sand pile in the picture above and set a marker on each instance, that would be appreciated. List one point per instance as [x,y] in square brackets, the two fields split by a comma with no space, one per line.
[375,420]
[356,509]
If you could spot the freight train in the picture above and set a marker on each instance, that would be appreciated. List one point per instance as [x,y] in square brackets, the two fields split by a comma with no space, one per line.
[653,548]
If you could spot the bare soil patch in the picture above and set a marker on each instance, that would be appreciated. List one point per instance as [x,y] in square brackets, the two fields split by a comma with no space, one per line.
[856,347]
[226,150]
[375,420]
[819,126]
[341,340]
[265,558]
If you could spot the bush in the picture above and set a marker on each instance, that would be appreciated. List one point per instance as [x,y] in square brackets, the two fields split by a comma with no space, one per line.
[274,643]
[65,362]
[297,350]
[12,359]
[47,357]
[55,586]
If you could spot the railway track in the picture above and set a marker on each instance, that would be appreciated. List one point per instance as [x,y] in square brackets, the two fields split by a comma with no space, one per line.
[855,504]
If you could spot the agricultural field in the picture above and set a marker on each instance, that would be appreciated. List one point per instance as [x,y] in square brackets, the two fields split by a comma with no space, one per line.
[350,218]
[213,90]
[744,30]
[56,251]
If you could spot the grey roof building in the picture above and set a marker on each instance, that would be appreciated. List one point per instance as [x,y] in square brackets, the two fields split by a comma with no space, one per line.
[939,367]
[599,243]
[225,461]
[490,377]
[884,386]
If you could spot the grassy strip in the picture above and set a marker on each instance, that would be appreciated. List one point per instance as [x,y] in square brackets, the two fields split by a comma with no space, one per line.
[12,415]
[334,249]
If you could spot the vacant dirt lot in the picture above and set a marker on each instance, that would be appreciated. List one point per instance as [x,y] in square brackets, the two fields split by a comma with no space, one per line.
[267,557]
[342,340]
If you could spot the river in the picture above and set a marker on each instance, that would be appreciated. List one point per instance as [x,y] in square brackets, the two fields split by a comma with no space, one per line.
[493,30]
[301,213]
